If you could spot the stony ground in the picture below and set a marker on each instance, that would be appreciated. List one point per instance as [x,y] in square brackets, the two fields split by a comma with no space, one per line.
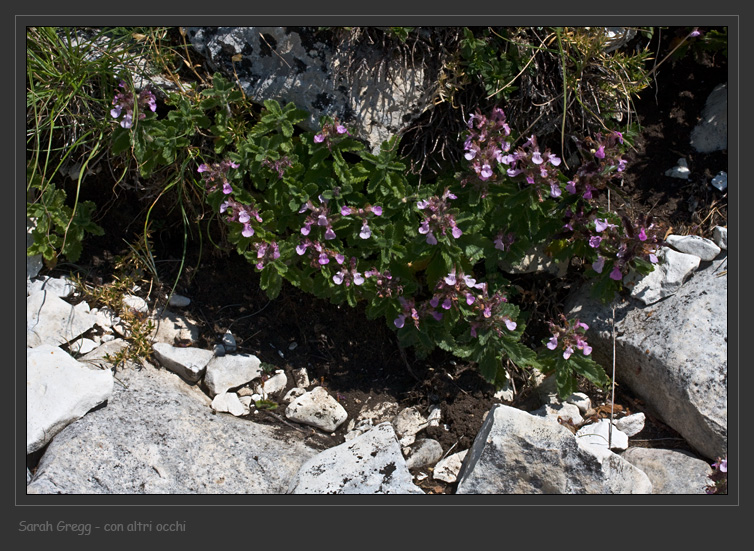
[359,360]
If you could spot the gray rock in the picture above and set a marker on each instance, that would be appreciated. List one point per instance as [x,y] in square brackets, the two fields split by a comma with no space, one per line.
[423,452]
[99,356]
[179,301]
[188,362]
[157,435]
[518,453]
[294,65]
[631,425]
[137,304]
[681,170]
[59,390]
[666,278]
[171,327]
[229,342]
[226,372]
[273,385]
[229,402]
[705,249]
[61,287]
[409,422]
[720,235]
[447,469]
[671,471]
[317,409]
[599,434]
[51,320]
[679,370]
[369,464]
[711,133]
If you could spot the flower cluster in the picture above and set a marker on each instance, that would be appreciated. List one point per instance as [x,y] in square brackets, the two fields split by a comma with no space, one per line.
[486,142]
[537,168]
[568,336]
[217,173]
[640,241]
[438,218]
[329,131]
[603,161]
[503,241]
[366,231]
[238,212]
[385,285]
[320,254]
[348,275]
[319,216]
[278,165]
[266,252]
[719,477]
[124,102]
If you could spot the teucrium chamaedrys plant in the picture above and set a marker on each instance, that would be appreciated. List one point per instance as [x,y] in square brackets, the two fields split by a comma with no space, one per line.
[320,211]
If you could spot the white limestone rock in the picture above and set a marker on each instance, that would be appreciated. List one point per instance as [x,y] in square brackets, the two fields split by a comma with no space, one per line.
[272,385]
[447,469]
[667,277]
[51,320]
[426,451]
[630,425]
[720,235]
[671,471]
[581,401]
[704,248]
[226,372]
[188,362]
[409,422]
[372,463]
[135,303]
[318,409]
[229,402]
[599,434]
[61,286]
[518,453]
[158,435]
[59,391]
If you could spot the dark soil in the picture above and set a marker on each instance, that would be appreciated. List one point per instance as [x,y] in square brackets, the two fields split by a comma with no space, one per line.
[359,361]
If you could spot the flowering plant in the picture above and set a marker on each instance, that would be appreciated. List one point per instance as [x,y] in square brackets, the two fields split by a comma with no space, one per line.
[719,477]
[318,210]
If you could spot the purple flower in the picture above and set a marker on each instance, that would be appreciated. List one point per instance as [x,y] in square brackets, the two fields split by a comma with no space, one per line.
[555,189]
[399,321]
[642,235]
[345,210]
[571,187]
[616,273]
[319,138]
[600,153]
[598,264]
[227,188]
[552,344]
[456,232]
[377,210]
[653,258]
[594,241]
[510,324]
[366,232]
[329,233]
[248,231]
